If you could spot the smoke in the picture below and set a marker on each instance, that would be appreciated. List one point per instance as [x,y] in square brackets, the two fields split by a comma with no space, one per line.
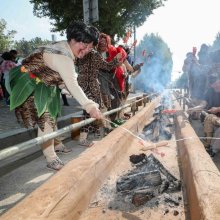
[156,72]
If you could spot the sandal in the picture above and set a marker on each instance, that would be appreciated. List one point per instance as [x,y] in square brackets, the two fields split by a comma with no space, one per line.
[97,134]
[127,115]
[86,143]
[62,150]
[55,164]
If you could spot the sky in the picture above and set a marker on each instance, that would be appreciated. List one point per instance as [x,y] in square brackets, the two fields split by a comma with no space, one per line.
[182,24]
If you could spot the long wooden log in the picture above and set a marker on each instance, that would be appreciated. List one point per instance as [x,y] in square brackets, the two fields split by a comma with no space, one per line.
[67,194]
[201,176]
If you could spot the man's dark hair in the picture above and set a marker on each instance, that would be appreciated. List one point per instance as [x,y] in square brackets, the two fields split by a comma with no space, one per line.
[80,32]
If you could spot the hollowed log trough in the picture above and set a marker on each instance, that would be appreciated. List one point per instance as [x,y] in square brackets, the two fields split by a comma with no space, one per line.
[68,193]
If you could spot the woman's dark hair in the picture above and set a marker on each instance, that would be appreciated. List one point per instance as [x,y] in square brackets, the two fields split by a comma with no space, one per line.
[7,56]
[14,52]
[80,32]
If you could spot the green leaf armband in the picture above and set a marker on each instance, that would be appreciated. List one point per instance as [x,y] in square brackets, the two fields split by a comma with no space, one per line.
[41,96]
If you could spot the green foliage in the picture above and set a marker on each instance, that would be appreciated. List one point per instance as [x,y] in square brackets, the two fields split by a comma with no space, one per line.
[115,16]
[41,98]
[182,81]
[46,98]
[54,101]
[156,72]
[21,91]
[6,37]
[26,47]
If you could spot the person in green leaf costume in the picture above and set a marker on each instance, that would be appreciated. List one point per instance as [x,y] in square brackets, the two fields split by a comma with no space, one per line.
[36,84]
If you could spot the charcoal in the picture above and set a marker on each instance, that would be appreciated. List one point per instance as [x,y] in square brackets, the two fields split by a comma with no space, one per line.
[140,197]
[137,158]
[143,179]
[166,211]
[156,131]
[171,200]
[148,180]
[167,134]
[164,186]
[126,185]
[175,213]
[162,169]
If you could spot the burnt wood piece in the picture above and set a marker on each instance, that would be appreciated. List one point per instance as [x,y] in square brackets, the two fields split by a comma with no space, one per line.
[137,158]
[139,180]
[149,124]
[164,186]
[175,184]
[166,133]
[172,200]
[156,131]
[161,167]
[140,197]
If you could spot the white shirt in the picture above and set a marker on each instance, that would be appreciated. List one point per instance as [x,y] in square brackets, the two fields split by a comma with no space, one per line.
[64,65]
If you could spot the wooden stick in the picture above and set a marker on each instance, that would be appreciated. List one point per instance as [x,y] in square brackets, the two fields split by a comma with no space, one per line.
[150,145]
[195,110]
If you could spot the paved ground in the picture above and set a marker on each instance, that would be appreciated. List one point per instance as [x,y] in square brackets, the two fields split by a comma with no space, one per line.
[29,173]
[19,183]
[8,120]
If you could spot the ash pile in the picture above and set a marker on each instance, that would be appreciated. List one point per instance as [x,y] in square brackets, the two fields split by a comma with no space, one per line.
[149,184]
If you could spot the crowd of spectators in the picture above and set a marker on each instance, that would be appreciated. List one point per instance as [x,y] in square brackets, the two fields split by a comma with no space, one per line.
[204,93]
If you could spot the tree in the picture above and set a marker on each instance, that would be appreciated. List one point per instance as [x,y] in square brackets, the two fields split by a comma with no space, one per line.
[182,81]
[156,72]
[216,43]
[116,17]
[26,47]
[6,39]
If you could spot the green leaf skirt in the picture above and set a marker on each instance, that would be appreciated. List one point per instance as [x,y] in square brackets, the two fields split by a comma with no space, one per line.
[25,84]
